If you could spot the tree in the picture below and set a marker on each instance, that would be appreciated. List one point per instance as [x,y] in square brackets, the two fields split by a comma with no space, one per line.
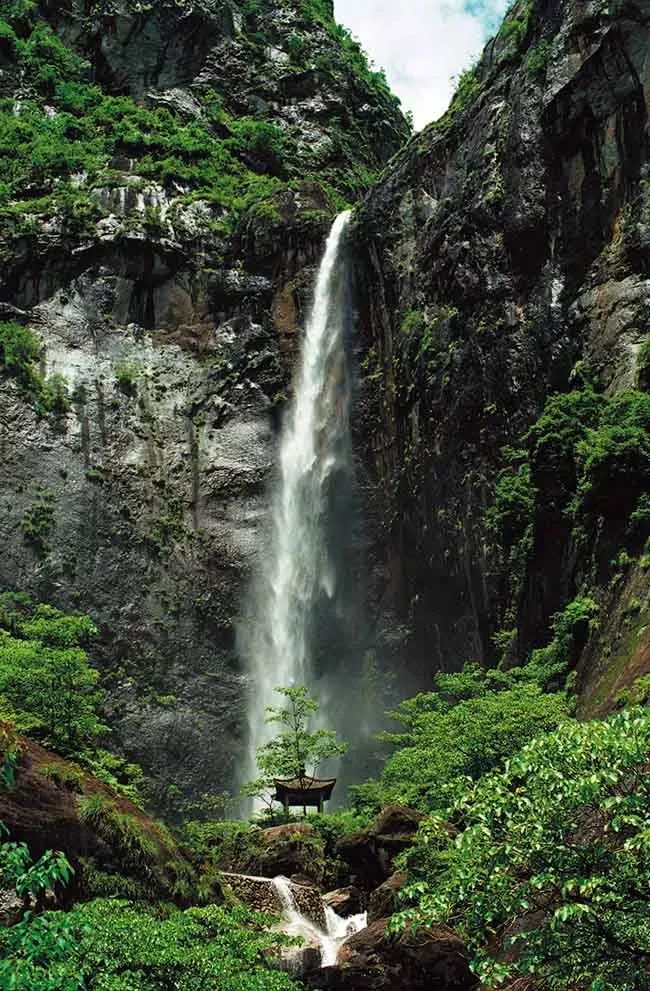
[296,751]
[547,873]
[47,685]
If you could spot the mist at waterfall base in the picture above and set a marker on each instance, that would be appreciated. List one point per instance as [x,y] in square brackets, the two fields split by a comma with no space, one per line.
[304,618]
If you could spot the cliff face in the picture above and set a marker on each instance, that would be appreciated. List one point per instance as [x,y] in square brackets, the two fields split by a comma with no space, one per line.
[168,174]
[504,257]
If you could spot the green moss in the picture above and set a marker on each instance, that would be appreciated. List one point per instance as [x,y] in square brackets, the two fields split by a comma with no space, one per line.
[37,522]
[538,58]
[643,366]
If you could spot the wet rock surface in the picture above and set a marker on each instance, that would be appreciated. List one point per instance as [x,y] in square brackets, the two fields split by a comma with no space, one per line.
[174,324]
[428,960]
[508,242]
[344,901]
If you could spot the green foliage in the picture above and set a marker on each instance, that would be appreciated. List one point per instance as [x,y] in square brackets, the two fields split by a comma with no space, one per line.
[331,826]
[468,725]
[63,775]
[229,843]
[20,351]
[126,376]
[468,88]
[571,628]
[553,443]
[413,322]
[296,750]
[37,522]
[123,776]
[51,163]
[9,753]
[29,878]
[538,58]
[643,366]
[614,457]
[551,863]
[47,686]
[585,465]
[115,946]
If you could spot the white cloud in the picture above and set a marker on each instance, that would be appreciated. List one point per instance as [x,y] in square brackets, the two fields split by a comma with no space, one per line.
[421,44]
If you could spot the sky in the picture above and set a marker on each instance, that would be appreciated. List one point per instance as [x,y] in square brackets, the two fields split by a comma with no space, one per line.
[422,44]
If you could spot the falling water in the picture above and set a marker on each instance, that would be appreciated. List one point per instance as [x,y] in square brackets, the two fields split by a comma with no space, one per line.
[328,941]
[300,571]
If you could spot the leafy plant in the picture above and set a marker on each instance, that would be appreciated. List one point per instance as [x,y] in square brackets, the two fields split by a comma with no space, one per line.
[549,874]
[115,946]
[296,752]
[47,685]
[472,722]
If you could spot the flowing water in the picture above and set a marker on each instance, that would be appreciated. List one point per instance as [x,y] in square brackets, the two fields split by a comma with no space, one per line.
[328,942]
[299,580]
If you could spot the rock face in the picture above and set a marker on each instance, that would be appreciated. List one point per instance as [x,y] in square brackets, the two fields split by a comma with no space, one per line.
[384,900]
[370,853]
[344,901]
[502,256]
[166,282]
[429,960]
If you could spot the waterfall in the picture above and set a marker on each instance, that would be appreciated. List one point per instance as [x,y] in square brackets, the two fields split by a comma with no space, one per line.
[299,581]
[295,924]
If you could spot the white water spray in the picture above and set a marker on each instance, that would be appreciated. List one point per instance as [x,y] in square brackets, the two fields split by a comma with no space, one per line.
[338,930]
[300,567]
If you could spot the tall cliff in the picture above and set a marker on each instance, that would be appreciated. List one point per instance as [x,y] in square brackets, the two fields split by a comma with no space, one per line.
[168,172]
[504,258]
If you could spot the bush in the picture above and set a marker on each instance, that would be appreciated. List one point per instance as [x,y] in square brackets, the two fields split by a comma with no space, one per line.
[47,686]
[471,723]
[549,876]
[110,945]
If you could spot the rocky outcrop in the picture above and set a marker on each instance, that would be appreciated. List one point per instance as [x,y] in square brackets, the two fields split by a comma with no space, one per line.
[344,901]
[53,804]
[165,274]
[427,960]
[384,900]
[503,256]
[259,894]
[370,853]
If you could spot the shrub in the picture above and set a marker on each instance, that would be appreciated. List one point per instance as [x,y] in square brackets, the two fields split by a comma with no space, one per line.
[110,945]
[492,712]
[37,522]
[47,685]
[549,875]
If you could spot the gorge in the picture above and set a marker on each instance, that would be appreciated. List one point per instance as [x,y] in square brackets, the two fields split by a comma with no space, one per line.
[290,395]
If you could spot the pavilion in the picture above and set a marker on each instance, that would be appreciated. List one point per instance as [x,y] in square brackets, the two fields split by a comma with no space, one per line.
[305,791]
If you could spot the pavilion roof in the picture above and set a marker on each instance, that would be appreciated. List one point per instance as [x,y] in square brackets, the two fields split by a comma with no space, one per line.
[305,786]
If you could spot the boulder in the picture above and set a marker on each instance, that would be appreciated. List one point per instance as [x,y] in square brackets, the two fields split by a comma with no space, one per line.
[12,907]
[370,853]
[384,900]
[359,851]
[344,901]
[433,959]
[398,820]
[294,849]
